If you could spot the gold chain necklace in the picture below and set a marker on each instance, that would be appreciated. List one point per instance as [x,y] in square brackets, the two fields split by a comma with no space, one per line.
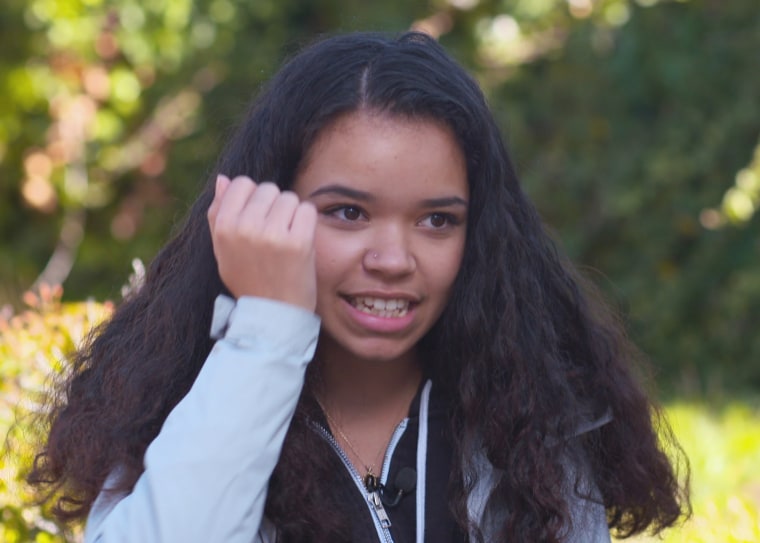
[370,479]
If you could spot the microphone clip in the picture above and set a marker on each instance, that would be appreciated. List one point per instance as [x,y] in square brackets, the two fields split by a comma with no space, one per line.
[405,483]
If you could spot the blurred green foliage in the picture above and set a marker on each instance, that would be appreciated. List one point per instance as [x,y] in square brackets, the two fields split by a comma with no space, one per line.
[635,125]
[723,446]
[34,345]
[640,145]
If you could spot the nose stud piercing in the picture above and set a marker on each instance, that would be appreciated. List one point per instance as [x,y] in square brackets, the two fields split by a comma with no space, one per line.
[374,255]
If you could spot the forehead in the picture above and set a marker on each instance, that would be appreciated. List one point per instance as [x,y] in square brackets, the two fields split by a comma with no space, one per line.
[389,156]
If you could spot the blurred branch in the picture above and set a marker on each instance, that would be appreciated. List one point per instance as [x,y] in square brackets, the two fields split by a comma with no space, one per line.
[70,237]
[174,118]
[62,260]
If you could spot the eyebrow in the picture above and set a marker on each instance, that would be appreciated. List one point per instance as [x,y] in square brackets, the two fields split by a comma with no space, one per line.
[341,190]
[444,202]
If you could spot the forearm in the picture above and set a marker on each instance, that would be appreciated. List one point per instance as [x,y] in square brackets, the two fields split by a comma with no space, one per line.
[206,473]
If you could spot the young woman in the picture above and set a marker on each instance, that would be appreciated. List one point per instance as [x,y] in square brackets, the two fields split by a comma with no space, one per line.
[397,352]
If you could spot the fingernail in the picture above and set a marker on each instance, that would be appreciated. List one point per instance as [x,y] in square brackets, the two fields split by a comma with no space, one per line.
[219,180]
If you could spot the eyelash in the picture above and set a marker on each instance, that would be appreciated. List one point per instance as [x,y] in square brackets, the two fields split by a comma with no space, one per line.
[334,212]
[451,220]
[337,211]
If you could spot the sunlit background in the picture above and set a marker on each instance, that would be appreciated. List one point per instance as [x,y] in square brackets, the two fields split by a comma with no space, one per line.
[635,126]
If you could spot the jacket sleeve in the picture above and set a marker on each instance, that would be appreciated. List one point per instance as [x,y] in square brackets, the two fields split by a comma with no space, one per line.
[588,516]
[207,471]
[587,511]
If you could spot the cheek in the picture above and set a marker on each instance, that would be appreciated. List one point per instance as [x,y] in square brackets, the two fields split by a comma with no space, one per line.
[440,274]
[446,282]
[447,266]
[334,256]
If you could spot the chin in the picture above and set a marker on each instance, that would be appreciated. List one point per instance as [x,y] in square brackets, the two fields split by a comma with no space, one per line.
[375,350]
[380,355]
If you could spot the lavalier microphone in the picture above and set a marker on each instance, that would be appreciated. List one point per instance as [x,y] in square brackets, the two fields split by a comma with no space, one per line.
[405,483]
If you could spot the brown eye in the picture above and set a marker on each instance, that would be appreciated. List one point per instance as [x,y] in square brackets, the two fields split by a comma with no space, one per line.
[437,220]
[440,222]
[346,213]
[351,213]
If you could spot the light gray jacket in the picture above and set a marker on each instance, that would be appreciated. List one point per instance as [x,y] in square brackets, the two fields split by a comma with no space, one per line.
[207,471]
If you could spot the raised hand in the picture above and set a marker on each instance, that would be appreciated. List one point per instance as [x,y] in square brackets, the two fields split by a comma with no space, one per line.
[264,241]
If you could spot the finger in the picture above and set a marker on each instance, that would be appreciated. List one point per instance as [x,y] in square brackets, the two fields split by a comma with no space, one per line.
[304,221]
[281,213]
[233,202]
[222,182]
[258,205]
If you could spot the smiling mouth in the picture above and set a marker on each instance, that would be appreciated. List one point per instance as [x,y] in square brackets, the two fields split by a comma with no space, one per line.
[380,307]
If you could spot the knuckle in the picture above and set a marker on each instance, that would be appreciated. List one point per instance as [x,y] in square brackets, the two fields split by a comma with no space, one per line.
[301,244]
[289,197]
[266,192]
[224,225]
[308,210]
[268,187]
[221,228]
[270,237]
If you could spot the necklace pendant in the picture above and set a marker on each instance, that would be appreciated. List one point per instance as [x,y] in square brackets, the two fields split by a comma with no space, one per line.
[371,482]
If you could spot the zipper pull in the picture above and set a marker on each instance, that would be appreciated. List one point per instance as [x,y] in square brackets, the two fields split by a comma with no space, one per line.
[377,503]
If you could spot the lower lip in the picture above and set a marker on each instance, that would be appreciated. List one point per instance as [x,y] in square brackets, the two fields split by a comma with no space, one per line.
[379,324]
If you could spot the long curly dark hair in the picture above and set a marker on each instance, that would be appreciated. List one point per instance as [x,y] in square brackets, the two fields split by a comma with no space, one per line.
[525,352]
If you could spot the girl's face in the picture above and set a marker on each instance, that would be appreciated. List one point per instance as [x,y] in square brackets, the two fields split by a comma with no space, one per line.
[392,198]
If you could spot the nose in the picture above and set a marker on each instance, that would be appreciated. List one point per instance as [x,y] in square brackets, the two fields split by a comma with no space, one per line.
[389,253]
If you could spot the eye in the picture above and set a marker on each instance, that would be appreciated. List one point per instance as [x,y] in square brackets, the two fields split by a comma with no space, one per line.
[439,221]
[351,213]
[345,213]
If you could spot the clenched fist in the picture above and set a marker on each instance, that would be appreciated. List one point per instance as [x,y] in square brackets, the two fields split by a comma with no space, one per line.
[264,241]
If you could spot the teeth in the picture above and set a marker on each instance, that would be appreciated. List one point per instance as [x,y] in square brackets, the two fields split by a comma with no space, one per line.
[381,307]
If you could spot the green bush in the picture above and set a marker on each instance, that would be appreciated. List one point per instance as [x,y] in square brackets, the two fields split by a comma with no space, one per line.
[33,349]
[723,446]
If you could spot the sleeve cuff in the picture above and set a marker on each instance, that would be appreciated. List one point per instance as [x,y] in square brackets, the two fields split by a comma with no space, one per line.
[254,320]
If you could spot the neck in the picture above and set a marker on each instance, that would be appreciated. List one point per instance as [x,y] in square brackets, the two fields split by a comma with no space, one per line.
[364,400]
[357,389]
